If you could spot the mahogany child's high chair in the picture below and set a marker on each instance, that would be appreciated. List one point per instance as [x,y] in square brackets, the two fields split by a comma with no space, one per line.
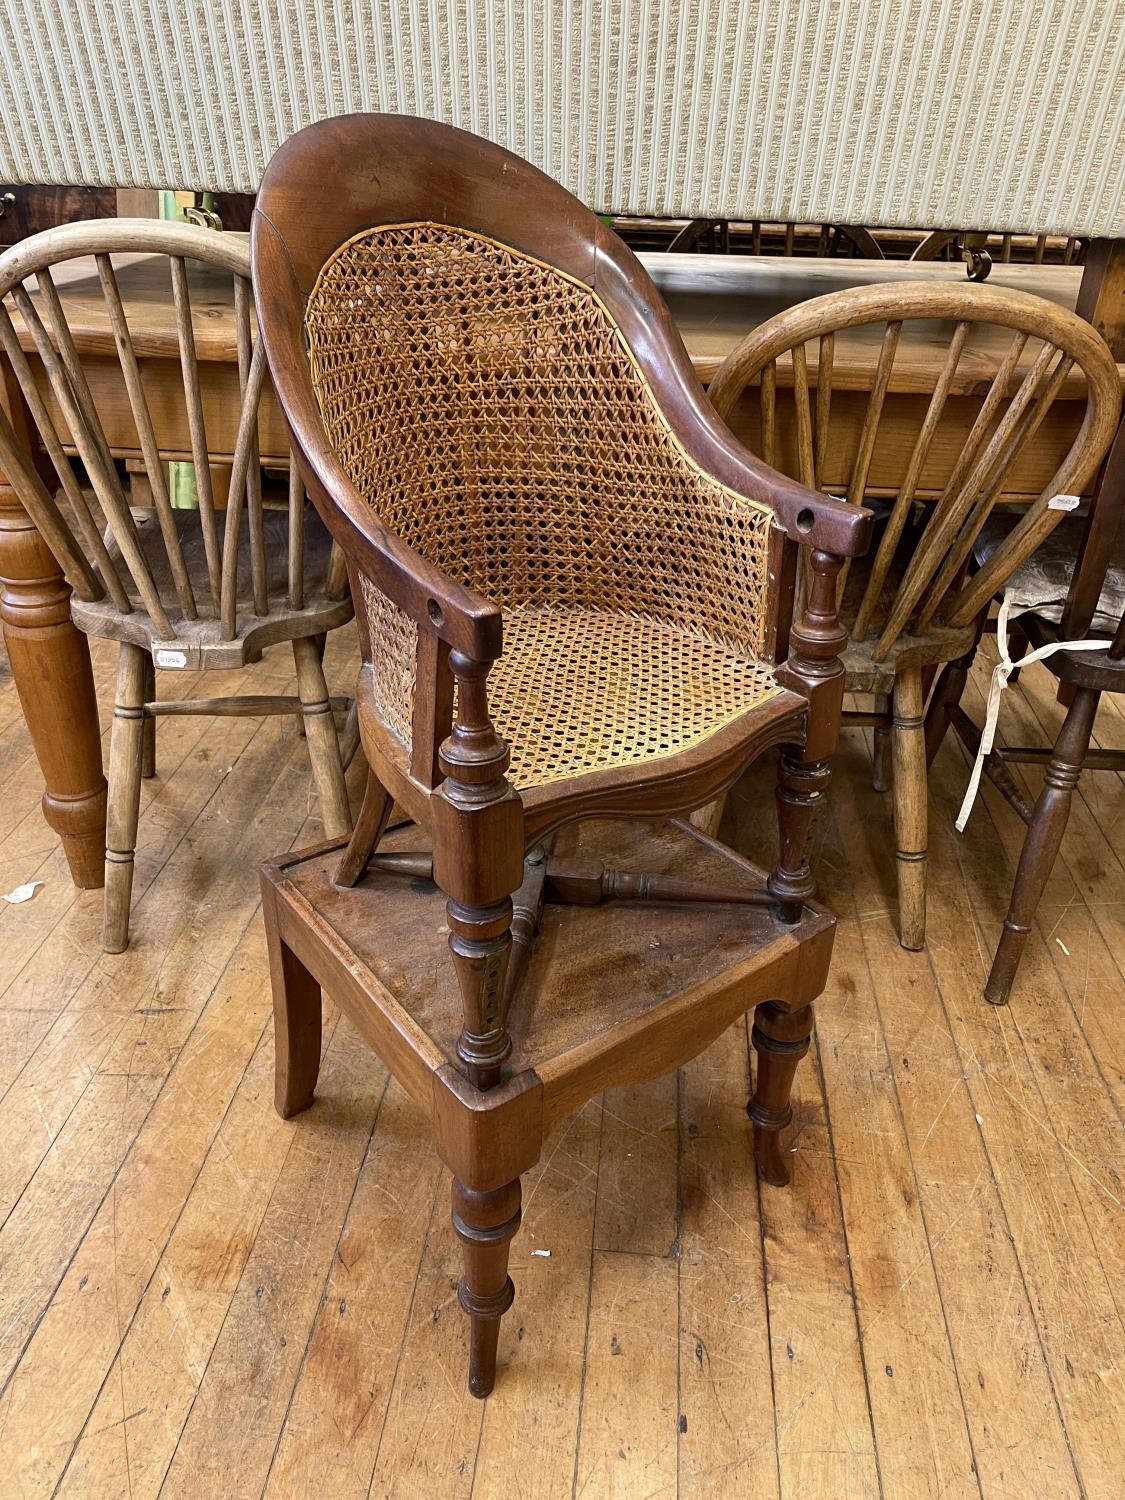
[574,590]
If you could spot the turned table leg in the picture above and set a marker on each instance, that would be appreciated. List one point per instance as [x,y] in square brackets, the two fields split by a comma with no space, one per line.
[50,662]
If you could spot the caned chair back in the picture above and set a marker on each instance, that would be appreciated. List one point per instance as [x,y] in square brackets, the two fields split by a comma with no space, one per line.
[1048,347]
[196,574]
[486,408]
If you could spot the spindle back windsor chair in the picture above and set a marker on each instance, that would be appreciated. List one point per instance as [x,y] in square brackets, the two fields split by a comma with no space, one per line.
[916,606]
[573,589]
[180,589]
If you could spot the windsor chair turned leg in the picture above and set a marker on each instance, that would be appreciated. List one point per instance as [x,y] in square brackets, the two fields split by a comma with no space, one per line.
[323,742]
[485,1223]
[781,1038]
[374,815]
[909,751]
[1041,845]
[148,755]
[126,757]
[296,1019]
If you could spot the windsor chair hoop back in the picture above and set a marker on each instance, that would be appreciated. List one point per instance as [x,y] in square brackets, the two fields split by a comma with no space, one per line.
[1012,408]
[573,588]
[239,594]
[917,606]
[181,588]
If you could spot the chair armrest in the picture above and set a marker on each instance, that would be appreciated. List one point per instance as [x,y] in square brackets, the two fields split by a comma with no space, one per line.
[809,517]
[457,615]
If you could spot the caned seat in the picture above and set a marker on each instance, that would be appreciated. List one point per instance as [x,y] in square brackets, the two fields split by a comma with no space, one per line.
[574,593]
[579,691]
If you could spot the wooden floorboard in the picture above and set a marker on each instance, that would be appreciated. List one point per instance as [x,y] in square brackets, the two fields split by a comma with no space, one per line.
[200,1299]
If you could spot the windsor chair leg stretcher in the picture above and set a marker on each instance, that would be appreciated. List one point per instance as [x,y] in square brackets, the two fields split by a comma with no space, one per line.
[624,989]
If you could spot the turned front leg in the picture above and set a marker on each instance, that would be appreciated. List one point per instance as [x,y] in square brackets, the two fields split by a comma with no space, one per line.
[800,793]
[485,1223]
[781,1038]
[478,863]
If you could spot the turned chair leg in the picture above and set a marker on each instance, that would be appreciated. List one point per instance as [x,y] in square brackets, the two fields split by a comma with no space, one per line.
[126,757]
[781,1039]
[881,758]
[148,755]
[374,815]
[296,1019]
[909,749]
[1041,845]
[485,1223]
[323,741]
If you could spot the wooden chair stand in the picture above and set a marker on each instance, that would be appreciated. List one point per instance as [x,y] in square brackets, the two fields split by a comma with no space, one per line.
[632,976]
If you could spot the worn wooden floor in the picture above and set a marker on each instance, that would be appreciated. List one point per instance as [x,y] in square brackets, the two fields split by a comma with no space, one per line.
[197,1299]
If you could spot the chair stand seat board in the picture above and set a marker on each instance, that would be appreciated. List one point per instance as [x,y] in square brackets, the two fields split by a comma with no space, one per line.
[615,992]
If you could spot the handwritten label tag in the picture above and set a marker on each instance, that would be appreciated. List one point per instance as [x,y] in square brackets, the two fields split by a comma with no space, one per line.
[1064,502]
[171,659]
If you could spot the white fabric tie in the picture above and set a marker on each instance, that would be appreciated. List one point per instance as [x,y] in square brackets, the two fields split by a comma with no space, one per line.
[1000,674]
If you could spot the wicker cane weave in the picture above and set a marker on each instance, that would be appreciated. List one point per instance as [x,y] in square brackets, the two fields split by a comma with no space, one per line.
[487,408]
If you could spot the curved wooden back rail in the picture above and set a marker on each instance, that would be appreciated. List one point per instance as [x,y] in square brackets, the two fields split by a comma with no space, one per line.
[912,613]
[199,588]
[573,589]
